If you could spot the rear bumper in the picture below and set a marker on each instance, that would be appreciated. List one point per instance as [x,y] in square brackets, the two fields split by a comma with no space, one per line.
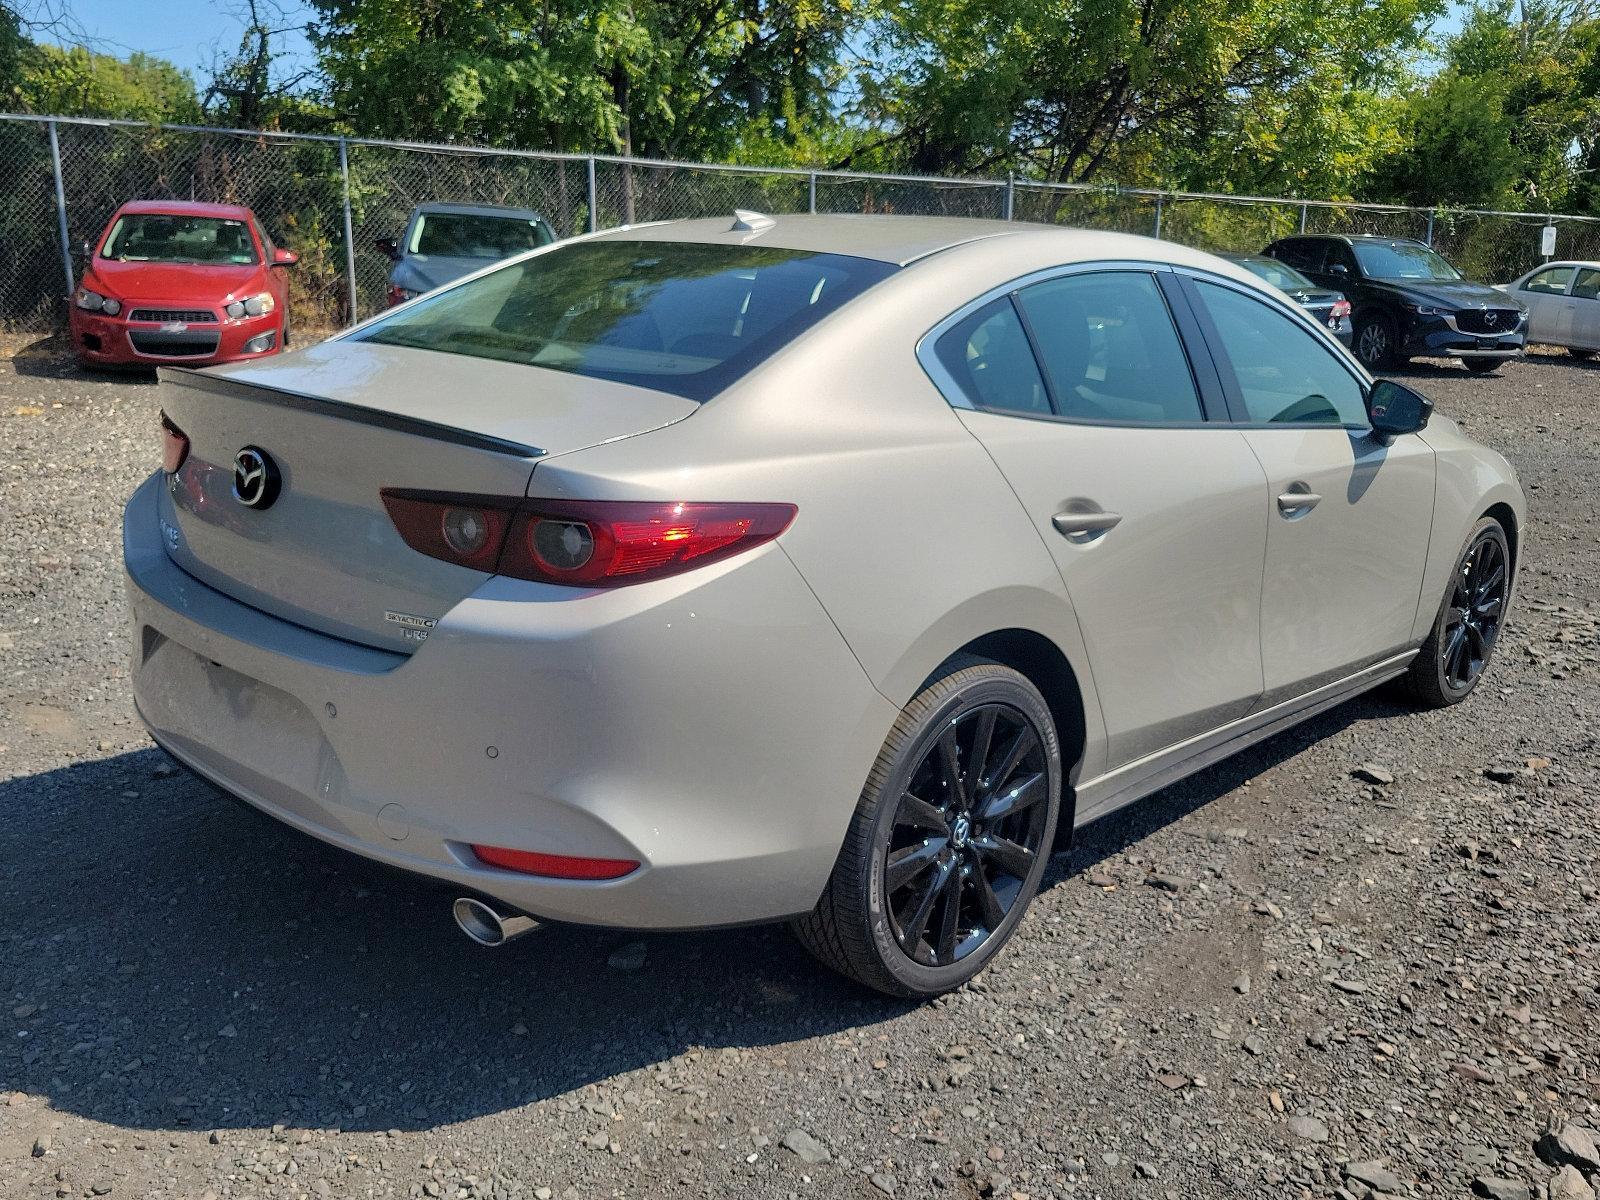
[713,727]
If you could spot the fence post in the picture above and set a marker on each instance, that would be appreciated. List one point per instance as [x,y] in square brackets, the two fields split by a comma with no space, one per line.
[1431,214]
[811,193]
[61,211]
[1011,194]
[1158,217]
[349,233]
[592,194]
[1303,210]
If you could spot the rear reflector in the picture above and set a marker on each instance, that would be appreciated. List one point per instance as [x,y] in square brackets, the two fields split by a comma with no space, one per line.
[555,866]
[174,446]
[1341,308]
[581,543]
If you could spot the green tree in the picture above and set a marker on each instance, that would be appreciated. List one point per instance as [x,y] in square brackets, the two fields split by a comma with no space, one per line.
[649,77]
[80,82]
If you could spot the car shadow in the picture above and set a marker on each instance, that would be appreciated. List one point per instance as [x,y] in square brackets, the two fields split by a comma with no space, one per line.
[173,961]
[52,358]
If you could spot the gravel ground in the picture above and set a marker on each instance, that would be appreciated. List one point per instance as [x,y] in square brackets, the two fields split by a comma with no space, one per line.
[1341,986]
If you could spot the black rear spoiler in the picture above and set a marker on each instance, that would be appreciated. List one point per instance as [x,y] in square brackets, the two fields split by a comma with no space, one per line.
[222,385]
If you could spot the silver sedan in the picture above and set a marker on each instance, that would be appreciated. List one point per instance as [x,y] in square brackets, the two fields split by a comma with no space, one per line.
[1563,302]
[823,569]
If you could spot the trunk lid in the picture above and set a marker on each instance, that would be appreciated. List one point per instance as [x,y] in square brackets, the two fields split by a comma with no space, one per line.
[341,421]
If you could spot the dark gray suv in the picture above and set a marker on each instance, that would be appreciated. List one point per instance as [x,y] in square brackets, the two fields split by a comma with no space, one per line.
[1408,301]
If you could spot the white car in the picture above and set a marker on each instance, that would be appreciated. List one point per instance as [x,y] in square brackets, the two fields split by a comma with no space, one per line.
[812,568]
[1563,302]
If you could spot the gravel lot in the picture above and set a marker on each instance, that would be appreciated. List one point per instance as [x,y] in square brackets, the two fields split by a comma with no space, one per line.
[1355,986]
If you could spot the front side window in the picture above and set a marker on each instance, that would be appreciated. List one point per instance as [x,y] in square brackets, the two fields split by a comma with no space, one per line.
[1588,284]
[988,355]
[1110,349]
[680,317]
[1285,375]
[1403,260]
[1553,280]
[471,235]
[164,237]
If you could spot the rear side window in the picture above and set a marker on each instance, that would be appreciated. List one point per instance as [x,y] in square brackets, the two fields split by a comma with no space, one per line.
[678,317]
[1588,284]
[1285,375]
[1302,256]
[988,356]
[1110,349]
[1553,281]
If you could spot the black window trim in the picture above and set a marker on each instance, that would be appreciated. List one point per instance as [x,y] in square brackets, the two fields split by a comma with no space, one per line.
[1239,414]
[1211,396]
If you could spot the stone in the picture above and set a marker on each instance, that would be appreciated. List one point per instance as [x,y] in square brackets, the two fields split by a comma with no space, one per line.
[805,1147]
[1376,1176]
[1308,1129]
[1570,1144]
[1373,773]
[1569,1184]
[1501,1189]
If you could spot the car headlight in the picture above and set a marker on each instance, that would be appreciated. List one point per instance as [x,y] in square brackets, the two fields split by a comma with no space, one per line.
[253,306]
[1427,310]
[94,302]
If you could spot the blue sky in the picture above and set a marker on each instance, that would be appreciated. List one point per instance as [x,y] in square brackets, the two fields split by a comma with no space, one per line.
[188,33]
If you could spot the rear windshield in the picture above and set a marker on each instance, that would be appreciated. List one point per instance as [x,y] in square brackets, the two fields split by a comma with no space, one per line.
[675,316]
[473,235]
[162,237]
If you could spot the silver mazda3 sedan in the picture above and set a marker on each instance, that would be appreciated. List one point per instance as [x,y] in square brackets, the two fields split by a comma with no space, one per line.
[827,569]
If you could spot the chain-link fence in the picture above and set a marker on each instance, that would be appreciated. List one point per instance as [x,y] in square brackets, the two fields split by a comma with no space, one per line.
[332,198]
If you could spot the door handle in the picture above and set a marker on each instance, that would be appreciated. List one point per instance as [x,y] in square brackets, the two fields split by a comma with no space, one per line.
[1083,524]
[1298,502]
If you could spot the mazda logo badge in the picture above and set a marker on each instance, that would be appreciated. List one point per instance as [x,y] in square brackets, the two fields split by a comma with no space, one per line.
[255,478]
[1491,319]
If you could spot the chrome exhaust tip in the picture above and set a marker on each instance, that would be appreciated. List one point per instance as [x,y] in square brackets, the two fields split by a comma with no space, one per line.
[487,926]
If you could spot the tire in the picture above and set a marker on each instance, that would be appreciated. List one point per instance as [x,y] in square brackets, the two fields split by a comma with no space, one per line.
[863,922]
[1375,340]
[1434,679]
[1481,366]
[1580,355]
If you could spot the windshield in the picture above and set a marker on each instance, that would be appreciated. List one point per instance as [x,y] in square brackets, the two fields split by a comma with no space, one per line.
[676,316]
[163,237]
[1279,276]
[473,235]
[1398,260]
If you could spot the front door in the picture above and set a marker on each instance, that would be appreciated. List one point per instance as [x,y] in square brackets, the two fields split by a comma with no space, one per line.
[1154,515]
[1348,518]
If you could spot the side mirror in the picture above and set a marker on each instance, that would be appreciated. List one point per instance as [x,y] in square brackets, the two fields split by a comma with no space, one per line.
[284,258]
[1338,269]
[1396,409]
[390,247]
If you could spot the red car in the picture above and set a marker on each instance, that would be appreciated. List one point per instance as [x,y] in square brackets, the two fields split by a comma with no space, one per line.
[179,281]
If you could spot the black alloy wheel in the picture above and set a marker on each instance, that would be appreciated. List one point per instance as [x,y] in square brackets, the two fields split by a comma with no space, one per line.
[950,838]
[966,834]
[1452,661]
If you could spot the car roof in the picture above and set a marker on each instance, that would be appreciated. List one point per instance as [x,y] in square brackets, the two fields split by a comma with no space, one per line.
[187,208]
[1352,238]
[479,210]
[905,239]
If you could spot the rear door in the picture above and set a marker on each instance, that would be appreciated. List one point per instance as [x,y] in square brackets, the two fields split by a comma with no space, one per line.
[1348,517]
[1153,513]
[1582,315]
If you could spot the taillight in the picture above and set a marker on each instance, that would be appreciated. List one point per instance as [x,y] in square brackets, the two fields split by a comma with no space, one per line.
[1341,308]
[581,543]
[555,866]
[174,446]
